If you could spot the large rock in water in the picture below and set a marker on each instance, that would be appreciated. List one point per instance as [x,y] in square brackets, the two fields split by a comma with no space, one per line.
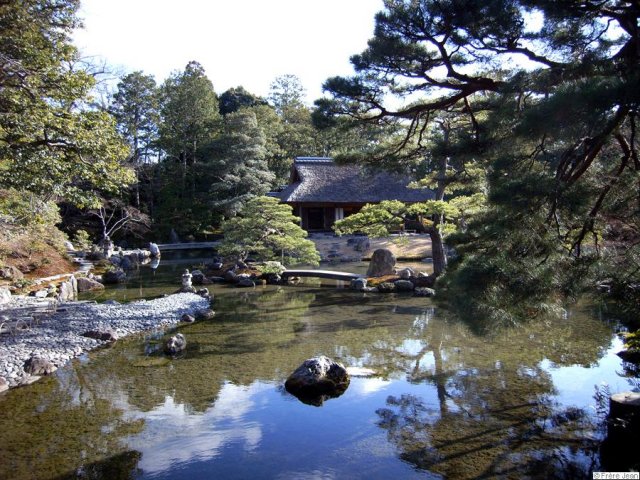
[175,344]
[154,250]
[382,263]
[318,379]
[114,276]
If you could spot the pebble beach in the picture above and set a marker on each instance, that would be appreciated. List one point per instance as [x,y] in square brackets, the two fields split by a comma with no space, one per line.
[57,336]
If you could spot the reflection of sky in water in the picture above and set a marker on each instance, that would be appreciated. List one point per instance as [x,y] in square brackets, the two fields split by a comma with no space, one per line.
[575,383]
[173,436]
[259,431]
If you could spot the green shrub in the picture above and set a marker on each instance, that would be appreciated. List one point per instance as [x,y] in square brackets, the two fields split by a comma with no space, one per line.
[82,240]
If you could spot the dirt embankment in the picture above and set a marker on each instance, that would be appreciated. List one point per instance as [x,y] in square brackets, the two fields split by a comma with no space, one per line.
[405,247]
[25,257]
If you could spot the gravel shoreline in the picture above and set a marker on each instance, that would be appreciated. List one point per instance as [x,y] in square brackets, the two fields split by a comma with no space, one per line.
[58,337]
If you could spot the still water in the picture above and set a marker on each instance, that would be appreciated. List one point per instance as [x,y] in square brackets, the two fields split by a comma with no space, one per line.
[444,402]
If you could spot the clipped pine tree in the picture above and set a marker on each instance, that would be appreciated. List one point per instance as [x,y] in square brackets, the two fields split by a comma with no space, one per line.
[268,230]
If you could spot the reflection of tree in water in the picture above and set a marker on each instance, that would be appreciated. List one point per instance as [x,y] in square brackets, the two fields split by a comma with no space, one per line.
[493,411]
[62,428]
[524,439]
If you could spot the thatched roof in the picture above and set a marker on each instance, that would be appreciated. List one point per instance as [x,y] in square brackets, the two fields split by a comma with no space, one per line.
[320,180]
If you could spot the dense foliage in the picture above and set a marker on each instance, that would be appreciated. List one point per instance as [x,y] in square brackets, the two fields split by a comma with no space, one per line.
[267,229]
[51,143]
[550,93]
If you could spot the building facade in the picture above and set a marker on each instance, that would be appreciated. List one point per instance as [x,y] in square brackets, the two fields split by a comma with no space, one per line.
[321,191]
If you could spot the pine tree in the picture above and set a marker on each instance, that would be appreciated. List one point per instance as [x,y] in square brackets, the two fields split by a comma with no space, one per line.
[550,90]
[266,228]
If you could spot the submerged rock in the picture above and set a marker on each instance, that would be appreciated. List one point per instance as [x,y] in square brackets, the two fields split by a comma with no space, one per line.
[205,314]
[318,379]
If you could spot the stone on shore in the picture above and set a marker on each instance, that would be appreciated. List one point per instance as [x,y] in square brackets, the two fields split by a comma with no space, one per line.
[4,385]
[186,318]
[424,281]
[104,334]
[424,292]
[386,287]
[11,273]
[245,280]
[37,366]
[197,277]
[154,250]
[230,276]
[88,284]
[403,286]
[406,273]
[382,263]
[67,291]
[317,379]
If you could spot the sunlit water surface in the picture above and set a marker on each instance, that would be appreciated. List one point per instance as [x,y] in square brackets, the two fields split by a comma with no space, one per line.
[444,402]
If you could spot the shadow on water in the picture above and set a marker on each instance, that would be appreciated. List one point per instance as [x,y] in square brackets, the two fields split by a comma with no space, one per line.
[123,466]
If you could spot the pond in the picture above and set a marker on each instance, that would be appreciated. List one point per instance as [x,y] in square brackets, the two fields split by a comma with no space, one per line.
[444,402]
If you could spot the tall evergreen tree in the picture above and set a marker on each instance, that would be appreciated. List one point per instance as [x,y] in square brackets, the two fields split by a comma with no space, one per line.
[190,121]
[239,166]
[136,109]
[551,90]
[236,98]
[296,135]
[190,114]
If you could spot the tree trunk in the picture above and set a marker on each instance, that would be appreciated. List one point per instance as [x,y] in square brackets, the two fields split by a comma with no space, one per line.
[437,251]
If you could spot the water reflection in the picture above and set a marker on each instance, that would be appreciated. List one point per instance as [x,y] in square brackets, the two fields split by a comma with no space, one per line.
[174,436]
[444,400]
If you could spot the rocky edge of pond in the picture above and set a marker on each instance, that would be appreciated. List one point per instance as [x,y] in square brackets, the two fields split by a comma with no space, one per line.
[382,276]
[28,353]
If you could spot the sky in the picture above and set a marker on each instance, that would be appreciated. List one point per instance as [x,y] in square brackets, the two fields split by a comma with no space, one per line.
[238,42]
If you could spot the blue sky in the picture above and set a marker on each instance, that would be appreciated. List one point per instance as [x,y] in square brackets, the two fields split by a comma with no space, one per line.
[239,42]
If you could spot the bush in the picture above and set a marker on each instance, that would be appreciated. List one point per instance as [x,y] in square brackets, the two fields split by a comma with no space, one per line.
[82,240]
